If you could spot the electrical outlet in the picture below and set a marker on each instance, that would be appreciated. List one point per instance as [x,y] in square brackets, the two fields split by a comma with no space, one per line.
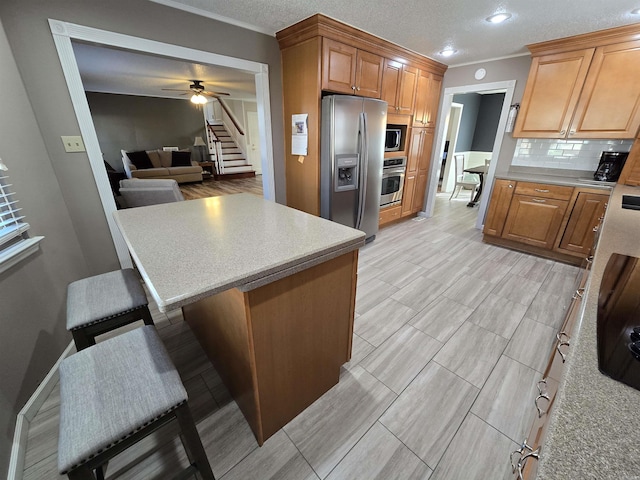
[73,143]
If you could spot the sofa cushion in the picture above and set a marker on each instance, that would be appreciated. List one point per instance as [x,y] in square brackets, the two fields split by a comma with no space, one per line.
[165,158]
[154,156]
[150,173]
[180,159]
[184,170]
[140,159]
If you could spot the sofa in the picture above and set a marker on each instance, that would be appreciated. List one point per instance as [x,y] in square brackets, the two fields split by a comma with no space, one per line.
[171,164]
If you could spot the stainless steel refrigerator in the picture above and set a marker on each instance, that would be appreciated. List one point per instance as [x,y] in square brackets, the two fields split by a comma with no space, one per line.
[351,154]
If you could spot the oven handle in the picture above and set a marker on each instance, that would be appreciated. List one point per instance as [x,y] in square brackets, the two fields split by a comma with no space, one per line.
[392,171]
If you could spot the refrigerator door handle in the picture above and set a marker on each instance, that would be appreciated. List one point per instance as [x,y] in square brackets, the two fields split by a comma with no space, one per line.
[363,156]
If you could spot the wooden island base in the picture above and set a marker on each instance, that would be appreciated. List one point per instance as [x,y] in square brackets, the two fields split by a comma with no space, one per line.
[279,347]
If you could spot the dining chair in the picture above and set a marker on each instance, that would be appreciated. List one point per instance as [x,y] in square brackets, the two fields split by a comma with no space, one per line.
[461,182]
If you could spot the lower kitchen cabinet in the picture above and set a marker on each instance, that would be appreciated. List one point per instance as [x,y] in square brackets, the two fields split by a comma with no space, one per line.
[389,214]
[548,220]
[534,220]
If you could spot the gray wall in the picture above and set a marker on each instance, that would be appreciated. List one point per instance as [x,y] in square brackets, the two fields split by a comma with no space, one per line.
[57,189]
[32,293]
[517,69]
[471,102]
[487,122]
[125,122]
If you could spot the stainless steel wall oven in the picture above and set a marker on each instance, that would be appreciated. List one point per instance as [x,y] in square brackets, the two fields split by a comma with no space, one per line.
[393,172]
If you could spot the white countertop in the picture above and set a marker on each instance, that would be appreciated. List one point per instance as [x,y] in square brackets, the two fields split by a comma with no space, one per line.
[593,431]
[189,250]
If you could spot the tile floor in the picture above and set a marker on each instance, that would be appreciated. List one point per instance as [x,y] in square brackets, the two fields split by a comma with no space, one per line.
[451,336]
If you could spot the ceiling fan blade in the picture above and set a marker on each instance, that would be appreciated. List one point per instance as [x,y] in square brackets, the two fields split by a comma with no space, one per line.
[215,94]
[176,90]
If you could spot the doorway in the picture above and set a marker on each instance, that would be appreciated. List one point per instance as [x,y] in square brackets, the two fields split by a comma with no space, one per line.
[436,164]
[63,33]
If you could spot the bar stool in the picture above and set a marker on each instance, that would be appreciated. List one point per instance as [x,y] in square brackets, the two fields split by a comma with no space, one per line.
[98,304]
[113,395]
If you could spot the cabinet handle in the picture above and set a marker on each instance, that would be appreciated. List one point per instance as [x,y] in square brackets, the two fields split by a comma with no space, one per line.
[358,88]
[561,343]
[353,87]
[535,454]
[589,259]
[541,190]
[510,186]
[578,294]
[562,132]
[517,467]
[540,411]
[596,228]
[538,200]
[572,132]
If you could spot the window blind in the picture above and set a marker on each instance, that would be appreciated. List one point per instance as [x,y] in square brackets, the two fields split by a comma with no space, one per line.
[12,224]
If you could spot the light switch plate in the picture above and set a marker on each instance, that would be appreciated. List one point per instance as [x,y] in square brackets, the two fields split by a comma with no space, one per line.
[73,143]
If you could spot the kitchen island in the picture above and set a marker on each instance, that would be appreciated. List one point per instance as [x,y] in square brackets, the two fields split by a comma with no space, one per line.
[269,292]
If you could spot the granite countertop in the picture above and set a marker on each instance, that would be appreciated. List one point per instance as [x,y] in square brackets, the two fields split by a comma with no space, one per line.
[580,181]
[593,431]
[189,250]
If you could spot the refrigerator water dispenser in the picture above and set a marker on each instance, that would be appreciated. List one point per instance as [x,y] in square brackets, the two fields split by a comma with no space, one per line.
[346,172]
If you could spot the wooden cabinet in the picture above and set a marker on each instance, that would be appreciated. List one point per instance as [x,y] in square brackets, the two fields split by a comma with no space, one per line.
[583,87]
[320,54]
[586,214]
[498,207]
[345,69]
[534,220]
[549,220]
[418,161]
[399,83]
[631,172]
[389,214]
[551,94]
[427,98]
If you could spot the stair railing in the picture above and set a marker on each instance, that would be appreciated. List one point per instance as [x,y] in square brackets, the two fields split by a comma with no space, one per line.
[233,127]
[215,149]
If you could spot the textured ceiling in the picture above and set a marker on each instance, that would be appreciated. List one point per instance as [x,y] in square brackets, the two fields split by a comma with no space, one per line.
[428,26]
[110,70]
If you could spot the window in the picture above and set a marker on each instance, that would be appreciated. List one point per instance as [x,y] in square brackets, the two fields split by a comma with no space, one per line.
[15,244]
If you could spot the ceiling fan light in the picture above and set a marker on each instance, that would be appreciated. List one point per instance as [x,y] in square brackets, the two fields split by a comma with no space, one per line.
[198,99]
[447,52]
[635,11]
[499,17]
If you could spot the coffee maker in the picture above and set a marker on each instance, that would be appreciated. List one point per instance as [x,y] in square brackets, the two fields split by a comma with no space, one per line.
[610,166]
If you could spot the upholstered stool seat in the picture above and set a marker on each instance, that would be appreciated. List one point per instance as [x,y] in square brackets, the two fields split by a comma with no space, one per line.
[114,394]
[98,304]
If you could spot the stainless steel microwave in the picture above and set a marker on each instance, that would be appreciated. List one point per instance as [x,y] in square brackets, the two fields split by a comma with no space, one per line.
[393,140]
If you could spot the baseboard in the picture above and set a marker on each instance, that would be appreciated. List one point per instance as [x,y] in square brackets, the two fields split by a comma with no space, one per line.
[27,414]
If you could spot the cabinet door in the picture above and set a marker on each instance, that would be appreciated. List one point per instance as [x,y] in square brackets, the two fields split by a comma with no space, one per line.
[420,191]
[338,66]
[631,172]
[427,98]
[391,84]
[407,89]
[498,207]
[368,74]
[551,94]
[609,105]
[578,235]
[534,221]
[407,194]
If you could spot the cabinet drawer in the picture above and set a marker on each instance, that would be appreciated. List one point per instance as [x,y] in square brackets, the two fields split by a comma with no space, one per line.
[390,214]
[543,190]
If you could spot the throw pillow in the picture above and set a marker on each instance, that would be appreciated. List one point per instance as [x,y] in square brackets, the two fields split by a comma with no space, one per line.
[140,159]
[180,159]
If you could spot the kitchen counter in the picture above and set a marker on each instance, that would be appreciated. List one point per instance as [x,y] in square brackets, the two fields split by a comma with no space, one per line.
[593,431]
[190,250]
[556,180]
[268,291]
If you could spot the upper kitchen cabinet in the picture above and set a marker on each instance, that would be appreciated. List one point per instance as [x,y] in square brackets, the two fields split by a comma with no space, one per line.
[399,83]
[319,55]
[583,87]
[427,99]
[345,69]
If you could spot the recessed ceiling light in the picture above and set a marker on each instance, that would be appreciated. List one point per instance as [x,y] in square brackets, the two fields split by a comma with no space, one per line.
[447,52]
[635,11]
[498,17]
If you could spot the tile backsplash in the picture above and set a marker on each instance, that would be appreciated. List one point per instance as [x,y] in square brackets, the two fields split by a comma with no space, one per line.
[565,154]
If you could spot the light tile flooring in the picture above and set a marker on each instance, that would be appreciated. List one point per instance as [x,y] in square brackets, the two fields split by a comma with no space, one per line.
[451,336]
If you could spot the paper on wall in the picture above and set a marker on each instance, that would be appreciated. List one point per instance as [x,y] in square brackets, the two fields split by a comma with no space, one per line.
[299,133]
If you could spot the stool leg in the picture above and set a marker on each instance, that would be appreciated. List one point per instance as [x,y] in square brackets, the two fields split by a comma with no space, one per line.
[82,340]
[146,316]
[192,442]
[81,473]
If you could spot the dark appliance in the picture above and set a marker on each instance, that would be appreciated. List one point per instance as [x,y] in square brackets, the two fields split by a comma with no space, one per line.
[610,166]
[393,172]
[618,326]
[393,140]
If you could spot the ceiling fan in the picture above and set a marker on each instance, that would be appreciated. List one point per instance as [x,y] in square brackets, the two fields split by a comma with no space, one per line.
[198,92]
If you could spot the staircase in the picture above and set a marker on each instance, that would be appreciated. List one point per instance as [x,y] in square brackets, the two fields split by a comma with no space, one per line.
[229,159]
